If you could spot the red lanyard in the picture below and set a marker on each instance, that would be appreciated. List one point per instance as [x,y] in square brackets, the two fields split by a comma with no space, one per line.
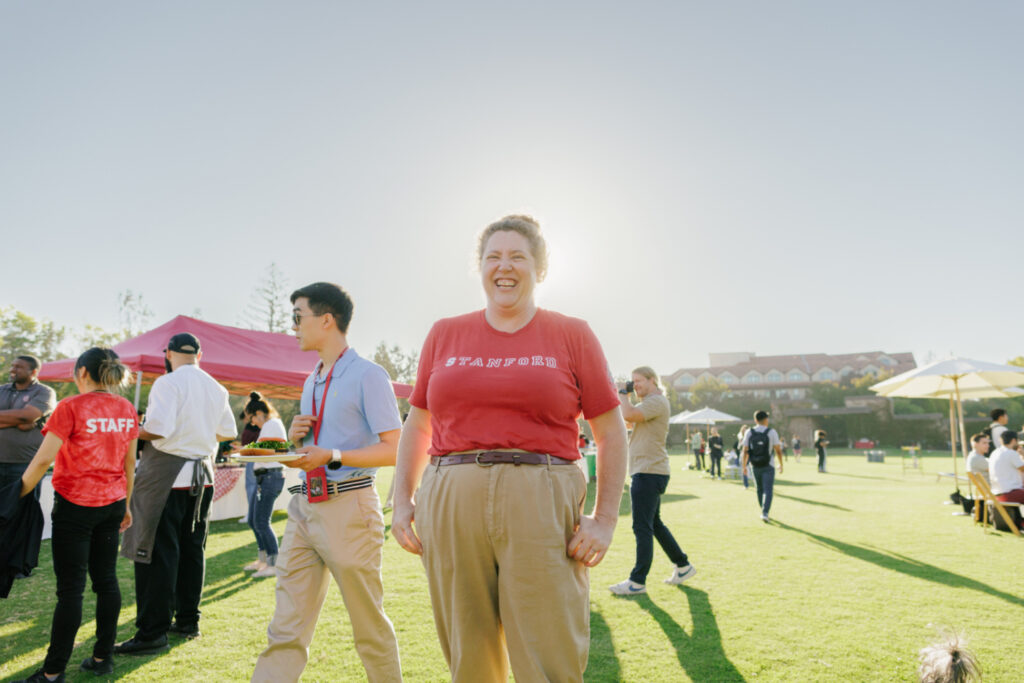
[323,404]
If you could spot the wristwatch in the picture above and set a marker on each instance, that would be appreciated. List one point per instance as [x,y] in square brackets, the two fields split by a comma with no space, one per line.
[335,462]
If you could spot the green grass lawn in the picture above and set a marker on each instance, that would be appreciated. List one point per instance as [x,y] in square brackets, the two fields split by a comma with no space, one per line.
[858,570]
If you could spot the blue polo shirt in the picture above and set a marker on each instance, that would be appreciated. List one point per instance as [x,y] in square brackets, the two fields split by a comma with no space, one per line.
[360,405]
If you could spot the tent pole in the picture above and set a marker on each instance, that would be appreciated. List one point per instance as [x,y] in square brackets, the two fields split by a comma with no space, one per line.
[138,389]
[963,431]
[952,439]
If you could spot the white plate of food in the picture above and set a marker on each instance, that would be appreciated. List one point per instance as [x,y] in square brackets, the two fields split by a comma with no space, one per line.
[273,457]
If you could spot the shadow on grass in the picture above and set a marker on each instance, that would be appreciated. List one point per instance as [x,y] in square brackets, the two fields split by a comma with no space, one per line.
[863,476]
[812,502]
[906,565]
[625,508]
[701,654]
[602,651]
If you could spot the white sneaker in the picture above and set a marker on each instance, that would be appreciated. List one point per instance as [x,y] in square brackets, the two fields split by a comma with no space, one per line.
[628,587]
[266,572]
[253,566]
[764,517]
[680,574]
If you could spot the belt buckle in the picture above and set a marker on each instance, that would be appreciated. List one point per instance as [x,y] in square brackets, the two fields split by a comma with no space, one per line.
[483,464]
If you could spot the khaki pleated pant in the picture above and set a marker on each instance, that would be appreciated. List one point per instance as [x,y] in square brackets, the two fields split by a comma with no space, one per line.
[502,586]
[341,538]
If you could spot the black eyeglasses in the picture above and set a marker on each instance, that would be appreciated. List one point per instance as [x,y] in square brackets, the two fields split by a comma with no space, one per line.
[297,317]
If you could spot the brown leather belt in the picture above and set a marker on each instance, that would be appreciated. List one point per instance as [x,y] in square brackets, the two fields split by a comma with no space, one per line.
[488,458]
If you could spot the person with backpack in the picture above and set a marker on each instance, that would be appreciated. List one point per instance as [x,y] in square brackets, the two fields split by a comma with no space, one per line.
[758,445]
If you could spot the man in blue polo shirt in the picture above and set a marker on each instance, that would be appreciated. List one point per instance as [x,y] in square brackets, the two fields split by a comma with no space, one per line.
[349,427]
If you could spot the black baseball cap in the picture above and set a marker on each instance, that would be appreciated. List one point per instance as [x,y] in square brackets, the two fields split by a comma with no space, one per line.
[183,342]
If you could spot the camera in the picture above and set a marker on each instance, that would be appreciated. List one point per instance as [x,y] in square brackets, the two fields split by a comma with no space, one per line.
[629,387]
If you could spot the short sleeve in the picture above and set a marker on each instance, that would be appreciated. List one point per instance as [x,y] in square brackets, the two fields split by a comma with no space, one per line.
[419,390]
[273,429]
[597,387]
[773,438]
[651,407]
[379,404]
[227,426]
[62,422]
[44,399]
[746,439]
[161,408]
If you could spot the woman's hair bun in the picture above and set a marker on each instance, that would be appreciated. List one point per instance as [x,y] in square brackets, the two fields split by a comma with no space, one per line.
[255,395]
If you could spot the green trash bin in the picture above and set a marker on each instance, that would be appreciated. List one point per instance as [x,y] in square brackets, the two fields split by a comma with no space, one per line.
[591,466]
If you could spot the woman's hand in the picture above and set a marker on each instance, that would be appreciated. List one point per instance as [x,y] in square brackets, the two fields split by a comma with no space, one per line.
[127,521]
[591,540]
[401,527]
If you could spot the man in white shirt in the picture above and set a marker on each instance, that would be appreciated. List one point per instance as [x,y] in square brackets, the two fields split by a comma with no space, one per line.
[186,416]
[1005,470]
[758,445]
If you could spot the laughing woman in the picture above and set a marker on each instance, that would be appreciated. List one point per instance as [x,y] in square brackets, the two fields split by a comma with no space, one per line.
[492,433]
[92,436]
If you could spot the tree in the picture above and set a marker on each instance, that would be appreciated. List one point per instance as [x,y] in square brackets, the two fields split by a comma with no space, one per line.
[401,366]
[1019,361]
[708,391]
[133,313]
[22,334]
[268,306]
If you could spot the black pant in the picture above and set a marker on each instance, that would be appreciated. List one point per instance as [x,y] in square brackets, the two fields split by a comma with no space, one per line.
[698,458]
[171,585]
[716,463]
[84,539]
[645,495]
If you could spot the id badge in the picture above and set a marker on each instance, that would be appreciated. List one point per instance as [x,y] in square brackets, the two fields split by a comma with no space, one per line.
[316,485]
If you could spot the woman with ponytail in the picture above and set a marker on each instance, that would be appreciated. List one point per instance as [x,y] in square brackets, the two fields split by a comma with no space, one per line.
[269,483]
[92,438]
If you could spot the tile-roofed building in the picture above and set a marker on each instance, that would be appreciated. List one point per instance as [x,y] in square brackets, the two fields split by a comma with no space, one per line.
[788,376]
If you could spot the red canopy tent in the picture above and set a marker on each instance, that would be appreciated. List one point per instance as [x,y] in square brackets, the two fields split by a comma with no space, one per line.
[241,360]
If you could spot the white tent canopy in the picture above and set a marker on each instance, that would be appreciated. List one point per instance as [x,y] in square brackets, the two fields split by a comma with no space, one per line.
[704,416]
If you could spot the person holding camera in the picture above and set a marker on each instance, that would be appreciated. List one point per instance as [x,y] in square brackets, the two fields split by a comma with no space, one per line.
[649,473]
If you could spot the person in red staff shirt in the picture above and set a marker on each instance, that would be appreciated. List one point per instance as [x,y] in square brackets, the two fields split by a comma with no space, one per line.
[92,437]
[491,441]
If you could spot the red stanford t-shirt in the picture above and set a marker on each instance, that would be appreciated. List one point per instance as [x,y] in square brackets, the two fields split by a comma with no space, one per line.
[487,389]
[96,429]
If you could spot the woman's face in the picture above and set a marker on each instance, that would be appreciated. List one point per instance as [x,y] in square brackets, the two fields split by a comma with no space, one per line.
[508,271]
[259,418]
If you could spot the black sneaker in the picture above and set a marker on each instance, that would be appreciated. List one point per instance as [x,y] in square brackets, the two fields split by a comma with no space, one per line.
[187,631]
[135,646]
[98,668]
[40,677]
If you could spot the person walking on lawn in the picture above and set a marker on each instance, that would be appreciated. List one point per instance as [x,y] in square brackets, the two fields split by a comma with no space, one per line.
[758,445]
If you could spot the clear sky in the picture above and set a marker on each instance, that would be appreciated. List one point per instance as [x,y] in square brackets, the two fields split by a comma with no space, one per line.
[783,177]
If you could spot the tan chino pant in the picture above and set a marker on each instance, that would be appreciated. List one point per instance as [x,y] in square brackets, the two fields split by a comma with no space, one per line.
[341,537]
[502,587]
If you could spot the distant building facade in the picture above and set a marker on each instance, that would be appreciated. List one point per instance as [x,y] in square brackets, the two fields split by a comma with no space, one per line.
[787,377]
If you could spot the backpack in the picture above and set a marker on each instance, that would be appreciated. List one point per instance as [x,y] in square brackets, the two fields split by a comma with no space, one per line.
[758,449]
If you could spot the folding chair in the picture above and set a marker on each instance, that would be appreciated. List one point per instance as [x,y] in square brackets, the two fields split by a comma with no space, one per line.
[986,493]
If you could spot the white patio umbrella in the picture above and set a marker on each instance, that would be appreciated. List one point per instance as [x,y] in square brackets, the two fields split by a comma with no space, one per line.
[703,416]
[957,378]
